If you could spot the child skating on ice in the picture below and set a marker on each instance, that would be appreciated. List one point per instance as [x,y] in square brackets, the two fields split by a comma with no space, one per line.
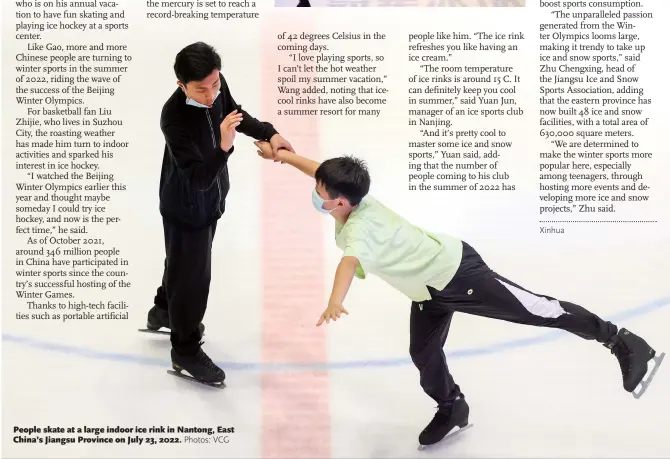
[441,275]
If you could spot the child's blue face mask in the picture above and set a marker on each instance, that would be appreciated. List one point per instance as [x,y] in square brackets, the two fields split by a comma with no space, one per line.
[318,203]
[190,101]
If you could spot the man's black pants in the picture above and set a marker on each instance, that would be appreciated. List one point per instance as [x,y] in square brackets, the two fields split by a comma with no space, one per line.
[186,279]
[478,290]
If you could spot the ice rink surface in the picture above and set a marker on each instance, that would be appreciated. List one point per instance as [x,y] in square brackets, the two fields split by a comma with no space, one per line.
[554,398]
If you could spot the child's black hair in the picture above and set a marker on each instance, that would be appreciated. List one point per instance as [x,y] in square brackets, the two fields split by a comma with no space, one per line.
[345,177]
[196,62]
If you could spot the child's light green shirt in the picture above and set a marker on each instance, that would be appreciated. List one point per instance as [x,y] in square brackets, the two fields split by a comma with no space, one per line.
[405,256]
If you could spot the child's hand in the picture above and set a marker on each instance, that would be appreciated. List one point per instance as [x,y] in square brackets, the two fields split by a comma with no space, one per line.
[333,311]
[264,149]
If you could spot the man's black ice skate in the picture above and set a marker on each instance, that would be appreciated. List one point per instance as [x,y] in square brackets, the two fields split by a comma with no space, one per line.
[199,367]
[158,318]
[634,354]
[445,421]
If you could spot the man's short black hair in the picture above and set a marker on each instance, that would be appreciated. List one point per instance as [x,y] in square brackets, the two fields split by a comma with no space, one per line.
[196,62]
[345,177]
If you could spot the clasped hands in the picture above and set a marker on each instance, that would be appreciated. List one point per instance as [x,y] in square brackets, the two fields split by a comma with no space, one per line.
[274,149]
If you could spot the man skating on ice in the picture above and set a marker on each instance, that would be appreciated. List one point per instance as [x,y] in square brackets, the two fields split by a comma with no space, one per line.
[198,122]
[441,275]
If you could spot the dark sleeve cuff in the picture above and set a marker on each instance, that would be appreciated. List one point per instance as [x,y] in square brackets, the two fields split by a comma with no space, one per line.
[229,152]
[270,132]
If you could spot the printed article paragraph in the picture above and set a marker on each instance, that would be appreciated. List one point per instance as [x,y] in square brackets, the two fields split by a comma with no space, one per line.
[66,137]
[593,113]
[449,85]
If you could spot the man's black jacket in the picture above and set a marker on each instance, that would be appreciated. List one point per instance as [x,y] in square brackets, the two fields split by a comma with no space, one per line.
[194,179]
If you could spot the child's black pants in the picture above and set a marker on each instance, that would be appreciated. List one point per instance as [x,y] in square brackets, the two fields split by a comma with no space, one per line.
[476,289]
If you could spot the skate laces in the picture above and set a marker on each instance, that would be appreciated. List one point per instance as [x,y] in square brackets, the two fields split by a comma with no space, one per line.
[206,360]
[621,351]
[443,414]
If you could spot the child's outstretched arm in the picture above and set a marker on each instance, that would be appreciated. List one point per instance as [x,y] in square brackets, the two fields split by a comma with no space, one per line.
[344,275]
[301,163]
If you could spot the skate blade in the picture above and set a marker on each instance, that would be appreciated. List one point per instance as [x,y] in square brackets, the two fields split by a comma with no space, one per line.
[156,332]
[179,374]
[644,384]
[448,437]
